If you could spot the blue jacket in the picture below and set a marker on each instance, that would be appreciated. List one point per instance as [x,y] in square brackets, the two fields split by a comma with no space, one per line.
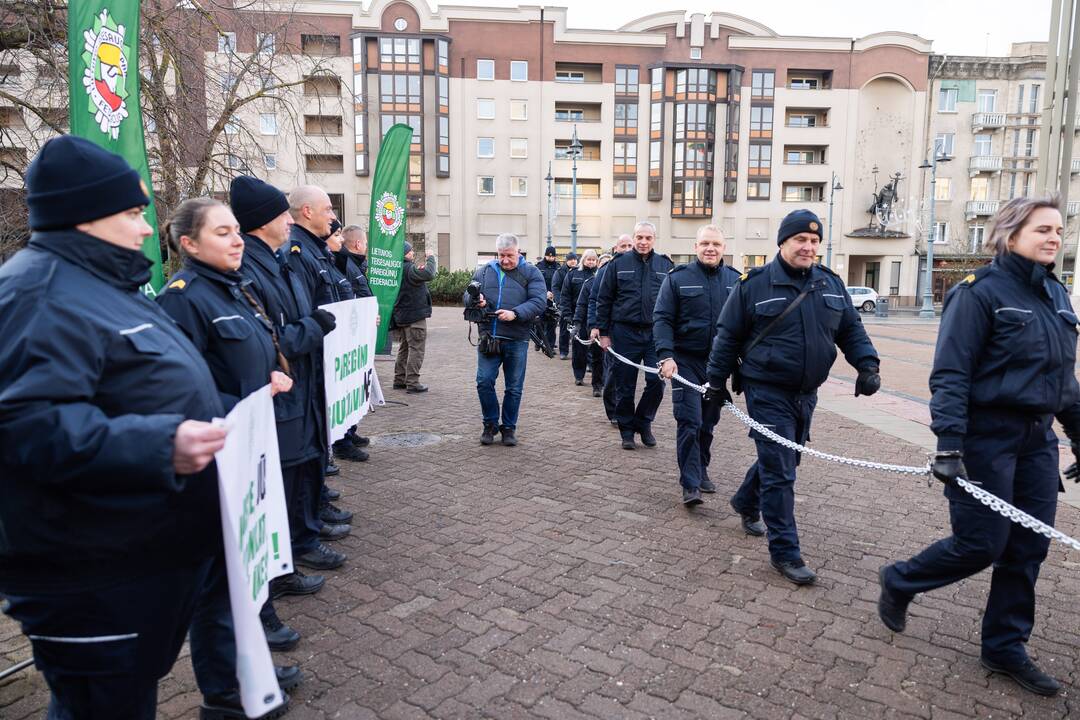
[594,286]
[282,288]
[581,309]
[94,380]
[798,354]
[1007,341]
[354,268]
[571,289]
[557,279]
[548,270]
[687,308]
[628,290]
[211,310]
[502,292]
[326,283]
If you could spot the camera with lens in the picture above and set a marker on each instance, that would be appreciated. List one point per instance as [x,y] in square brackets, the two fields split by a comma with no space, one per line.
[473,313]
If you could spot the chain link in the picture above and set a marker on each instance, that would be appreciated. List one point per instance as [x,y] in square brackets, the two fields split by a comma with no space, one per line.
[991,501]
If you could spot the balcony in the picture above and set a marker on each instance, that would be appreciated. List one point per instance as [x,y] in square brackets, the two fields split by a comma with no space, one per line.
[984,163]
[980,208]
[987,121]
[1073,208]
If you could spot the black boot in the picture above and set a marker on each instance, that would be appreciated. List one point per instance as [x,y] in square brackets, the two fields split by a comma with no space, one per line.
[488,436]
[508,437]
[1026,675]
[891,606]
[796,571]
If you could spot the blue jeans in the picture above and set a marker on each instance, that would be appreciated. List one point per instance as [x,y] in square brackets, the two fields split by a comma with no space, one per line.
[512,356]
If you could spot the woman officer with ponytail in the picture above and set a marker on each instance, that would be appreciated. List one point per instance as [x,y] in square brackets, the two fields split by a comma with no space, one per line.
[212,304]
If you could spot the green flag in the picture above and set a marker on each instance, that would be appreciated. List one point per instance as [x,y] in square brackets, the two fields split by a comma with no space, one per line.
[386,234]
[103,88]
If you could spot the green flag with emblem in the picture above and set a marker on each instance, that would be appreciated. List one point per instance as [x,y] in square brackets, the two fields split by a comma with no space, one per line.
[103,88]
[386,233]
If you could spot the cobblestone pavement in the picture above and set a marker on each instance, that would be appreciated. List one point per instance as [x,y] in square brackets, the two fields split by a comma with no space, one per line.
[563,579]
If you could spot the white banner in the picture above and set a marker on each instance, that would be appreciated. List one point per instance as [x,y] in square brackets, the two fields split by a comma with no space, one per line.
[352,387]
[258,548]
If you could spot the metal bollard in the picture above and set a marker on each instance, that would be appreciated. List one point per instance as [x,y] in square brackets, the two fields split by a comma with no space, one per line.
[881,308]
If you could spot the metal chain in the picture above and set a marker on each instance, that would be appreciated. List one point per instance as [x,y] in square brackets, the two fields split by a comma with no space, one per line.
[991,501]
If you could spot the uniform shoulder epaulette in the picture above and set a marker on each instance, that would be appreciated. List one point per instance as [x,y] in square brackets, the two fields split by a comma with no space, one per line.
[295,248]
[681,266]
[752,272]
[974,277]
[829,270]
[181,280]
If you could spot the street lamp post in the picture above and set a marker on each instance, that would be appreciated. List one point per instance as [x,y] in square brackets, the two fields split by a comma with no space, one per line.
[927,310]
[833,187]
[575,152]
[549,180]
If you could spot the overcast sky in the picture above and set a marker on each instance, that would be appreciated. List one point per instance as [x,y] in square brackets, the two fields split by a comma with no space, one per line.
[957,27]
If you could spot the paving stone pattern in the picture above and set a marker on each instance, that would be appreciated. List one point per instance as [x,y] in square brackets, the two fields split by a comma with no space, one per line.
[563,579]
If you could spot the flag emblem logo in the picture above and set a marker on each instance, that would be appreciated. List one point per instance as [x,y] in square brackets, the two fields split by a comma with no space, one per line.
[389,214]
[106,60]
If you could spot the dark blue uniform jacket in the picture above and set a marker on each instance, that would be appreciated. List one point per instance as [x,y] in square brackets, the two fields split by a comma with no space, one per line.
[502,292]
[237,345]
[1007,341]
[571,289]
[326,283]
[548,270]
[628,290]
[688,307]
[581,310]
[798,354]
[94,380]
[594,287]
[354,268]
[281,286]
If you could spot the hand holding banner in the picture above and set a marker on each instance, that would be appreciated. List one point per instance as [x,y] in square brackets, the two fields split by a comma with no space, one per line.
[352,387]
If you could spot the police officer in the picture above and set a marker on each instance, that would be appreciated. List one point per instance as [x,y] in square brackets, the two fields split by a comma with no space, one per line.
[623,244]
[684,324]
[594,355]
[351,261]
[783,322]
[212,304]
[624,316]
[548,266]
[110,519]
[1003,369]
[556,292]
[571,289]
[279,281]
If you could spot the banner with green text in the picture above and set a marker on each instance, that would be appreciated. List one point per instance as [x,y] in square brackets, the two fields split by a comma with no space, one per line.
[103,89]
[386,226]
[352,387]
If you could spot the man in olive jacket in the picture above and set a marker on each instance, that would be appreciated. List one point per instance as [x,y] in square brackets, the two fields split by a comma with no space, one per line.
[409,319]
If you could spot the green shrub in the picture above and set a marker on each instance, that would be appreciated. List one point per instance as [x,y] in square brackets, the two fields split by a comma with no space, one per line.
[448,286]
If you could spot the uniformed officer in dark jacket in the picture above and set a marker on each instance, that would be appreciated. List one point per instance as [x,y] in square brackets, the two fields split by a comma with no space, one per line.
[548,266]
[571,289]
[594,355]
[782,369]
[624,315]
[212,304]
[109,519]
[351,260]
[623,244]
[280,281]
[1004,368]
[684,324]
[556,292]
[409,319]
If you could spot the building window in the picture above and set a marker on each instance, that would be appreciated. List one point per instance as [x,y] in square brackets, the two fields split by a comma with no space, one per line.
[760,160]
[987,100]
[626,80]
[399,50]
[656,80]
[941,232]
[804,120]
[569,115]
[1034,105]
[694,118]
[519,148]
[752,261]
[399,89]
[324,163]
[691,197]
[587,189]
[444,131]
[231,128]
[485,147]
[943,189]
[804,156]
[983,144]
[320,45]
[804,192]
[945,143]
[519,70]
[268,124]
[485,109]
[485,69]
[322,86]
[947,99]
[976,237]
[761,83]
[570,76]
[444,54]
[695,53]
[1030,145]
[980,189]
[519,186]
[695,80]
[234,162]
[485,185]
[270,161]
[626,118]
[656,117]
[757,190]
[226,42]
[519,110]
[322,125]
[444,164]
[761,122]
[624,188]
[264,43]
[625,161]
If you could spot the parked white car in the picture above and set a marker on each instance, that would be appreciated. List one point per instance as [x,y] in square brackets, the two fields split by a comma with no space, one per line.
[863,298]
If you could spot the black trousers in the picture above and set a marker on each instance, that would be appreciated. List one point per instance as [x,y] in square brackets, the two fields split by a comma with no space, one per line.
[303,490]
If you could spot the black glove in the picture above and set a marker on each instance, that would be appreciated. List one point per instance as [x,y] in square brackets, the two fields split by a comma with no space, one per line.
[717,395]
[868,382]
[1073,472]
[325,318]
[948,466]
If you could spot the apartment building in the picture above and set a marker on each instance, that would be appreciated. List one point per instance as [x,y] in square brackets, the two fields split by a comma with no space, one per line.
[985,114]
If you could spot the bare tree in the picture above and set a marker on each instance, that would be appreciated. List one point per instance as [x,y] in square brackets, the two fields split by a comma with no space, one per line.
[208,69]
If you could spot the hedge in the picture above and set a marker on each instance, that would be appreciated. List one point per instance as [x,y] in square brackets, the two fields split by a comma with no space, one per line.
[449,285]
